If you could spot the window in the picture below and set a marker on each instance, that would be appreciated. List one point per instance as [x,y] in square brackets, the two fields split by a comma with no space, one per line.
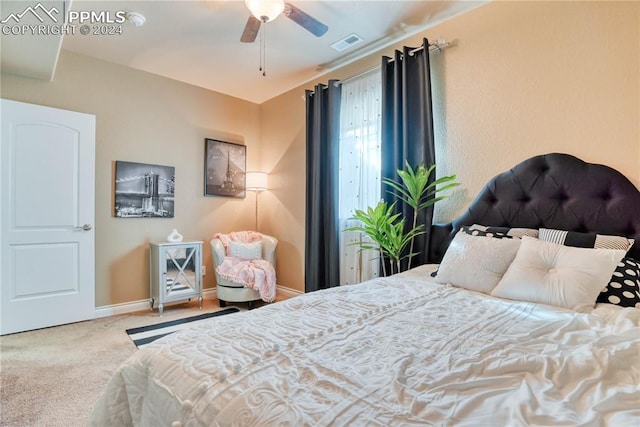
[359,174]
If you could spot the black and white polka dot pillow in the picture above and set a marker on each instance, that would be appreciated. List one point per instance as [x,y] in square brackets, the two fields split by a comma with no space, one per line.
[624,287]
[499,232]
[472,231]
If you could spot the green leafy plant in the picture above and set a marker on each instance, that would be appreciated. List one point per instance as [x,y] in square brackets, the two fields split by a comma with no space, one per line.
[386,229]
[417,192]
[387,235]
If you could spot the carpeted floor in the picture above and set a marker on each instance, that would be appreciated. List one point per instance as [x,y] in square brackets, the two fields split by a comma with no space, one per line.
[52,377]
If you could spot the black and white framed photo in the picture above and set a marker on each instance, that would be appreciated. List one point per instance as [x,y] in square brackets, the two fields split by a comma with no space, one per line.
[144,190]
[224,168]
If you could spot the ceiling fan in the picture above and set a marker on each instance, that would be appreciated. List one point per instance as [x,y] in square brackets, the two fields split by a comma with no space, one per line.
[263,11]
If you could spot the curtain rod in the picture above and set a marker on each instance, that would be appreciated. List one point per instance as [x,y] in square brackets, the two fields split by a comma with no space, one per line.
[438,45]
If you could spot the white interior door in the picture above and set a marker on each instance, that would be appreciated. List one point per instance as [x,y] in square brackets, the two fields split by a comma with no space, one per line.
[47,172]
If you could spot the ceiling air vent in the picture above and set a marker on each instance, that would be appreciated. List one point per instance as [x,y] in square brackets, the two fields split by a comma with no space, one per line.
[346,42]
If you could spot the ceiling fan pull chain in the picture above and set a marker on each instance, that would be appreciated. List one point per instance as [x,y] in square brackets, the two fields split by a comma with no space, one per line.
[260,46]
[264,51]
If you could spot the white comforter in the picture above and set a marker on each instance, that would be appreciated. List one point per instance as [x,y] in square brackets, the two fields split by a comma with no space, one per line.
[399,351]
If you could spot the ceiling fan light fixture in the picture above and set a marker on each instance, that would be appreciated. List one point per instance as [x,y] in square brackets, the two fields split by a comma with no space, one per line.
[265,10]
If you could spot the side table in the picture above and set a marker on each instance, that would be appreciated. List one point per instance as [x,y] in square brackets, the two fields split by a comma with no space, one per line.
[175,272]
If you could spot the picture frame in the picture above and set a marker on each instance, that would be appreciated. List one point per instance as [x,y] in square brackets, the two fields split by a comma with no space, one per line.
[144,190]
[225,165]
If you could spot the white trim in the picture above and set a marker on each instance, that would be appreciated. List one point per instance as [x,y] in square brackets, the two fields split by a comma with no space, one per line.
[130,307]
[288,292]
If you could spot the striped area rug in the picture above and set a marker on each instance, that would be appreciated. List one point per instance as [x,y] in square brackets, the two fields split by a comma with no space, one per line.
[145,335]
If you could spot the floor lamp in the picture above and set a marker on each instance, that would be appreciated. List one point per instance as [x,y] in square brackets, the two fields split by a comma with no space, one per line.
[256,181]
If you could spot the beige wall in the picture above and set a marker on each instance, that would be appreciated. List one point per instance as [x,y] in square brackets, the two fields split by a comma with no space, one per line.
[282,208]
[523,78]
[145,118]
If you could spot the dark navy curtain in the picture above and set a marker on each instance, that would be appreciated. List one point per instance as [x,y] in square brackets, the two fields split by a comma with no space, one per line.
[322,264]
[407,127]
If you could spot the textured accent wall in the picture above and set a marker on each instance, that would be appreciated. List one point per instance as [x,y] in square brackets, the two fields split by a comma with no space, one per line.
[527,78]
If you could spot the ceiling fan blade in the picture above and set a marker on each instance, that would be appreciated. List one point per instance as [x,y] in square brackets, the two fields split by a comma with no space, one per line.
[250,30]
[309,23]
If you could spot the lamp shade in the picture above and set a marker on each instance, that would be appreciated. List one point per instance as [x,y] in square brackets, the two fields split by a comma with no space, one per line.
[256,181]
[265,10]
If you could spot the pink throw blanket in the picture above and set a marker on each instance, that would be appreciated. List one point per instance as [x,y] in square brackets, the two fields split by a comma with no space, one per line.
[256,274]
[238,236]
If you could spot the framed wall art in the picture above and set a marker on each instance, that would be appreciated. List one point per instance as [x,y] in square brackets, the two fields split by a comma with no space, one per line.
[224,168]
[144,190]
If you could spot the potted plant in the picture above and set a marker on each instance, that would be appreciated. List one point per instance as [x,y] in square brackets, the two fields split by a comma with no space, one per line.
[386,229]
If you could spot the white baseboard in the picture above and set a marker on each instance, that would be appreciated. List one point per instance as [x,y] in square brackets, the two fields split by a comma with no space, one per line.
[288,292]
[130,307]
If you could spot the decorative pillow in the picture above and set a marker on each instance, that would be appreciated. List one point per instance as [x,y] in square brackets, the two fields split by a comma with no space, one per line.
[548,273]
[475,262]
[624,287]
[585,240]
[470,230]
[495,232]
[499,232]
[246,251]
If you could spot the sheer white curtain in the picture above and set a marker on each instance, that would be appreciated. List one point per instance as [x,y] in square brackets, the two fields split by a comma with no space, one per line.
[359,176]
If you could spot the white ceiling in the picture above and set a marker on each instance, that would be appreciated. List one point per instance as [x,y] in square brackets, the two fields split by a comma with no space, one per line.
[198,41]
[30,56]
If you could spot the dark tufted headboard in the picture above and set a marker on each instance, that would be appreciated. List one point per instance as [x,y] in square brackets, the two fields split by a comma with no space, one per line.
[552,191]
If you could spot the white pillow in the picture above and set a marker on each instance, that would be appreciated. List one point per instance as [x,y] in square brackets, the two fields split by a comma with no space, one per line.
[246,251]
[476,262]
[564,276]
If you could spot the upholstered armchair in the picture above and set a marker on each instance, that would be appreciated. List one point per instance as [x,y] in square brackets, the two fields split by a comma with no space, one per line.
[229,291]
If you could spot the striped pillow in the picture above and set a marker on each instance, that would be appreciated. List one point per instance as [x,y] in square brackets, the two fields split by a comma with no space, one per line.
[585,240]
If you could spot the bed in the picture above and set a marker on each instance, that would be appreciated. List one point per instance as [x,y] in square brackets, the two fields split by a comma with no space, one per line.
[409,350]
